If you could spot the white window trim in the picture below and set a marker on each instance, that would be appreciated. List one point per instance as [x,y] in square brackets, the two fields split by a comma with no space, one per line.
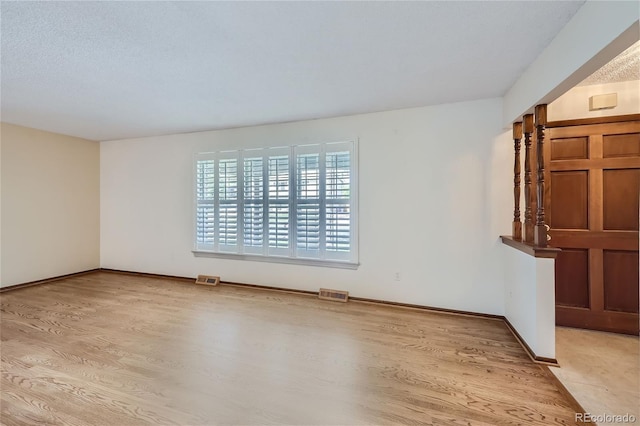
[285,256]
[278,259]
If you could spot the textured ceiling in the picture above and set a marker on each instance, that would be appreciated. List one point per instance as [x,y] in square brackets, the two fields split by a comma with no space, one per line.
[110,70]
[624,67]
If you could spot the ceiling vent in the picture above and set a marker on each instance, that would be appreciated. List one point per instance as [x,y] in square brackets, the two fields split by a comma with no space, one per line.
[335,295]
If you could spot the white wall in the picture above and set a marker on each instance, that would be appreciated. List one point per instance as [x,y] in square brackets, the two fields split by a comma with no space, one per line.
[574,104]
[435,193]
[530,299]
[597,33]
[50,205]
[0,208]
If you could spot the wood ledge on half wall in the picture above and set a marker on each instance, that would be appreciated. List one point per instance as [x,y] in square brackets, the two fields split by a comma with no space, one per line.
[530,249]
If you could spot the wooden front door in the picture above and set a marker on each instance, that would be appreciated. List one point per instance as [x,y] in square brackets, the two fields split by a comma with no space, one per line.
[593,176]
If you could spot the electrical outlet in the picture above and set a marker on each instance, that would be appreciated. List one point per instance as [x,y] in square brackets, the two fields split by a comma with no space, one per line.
[396,276]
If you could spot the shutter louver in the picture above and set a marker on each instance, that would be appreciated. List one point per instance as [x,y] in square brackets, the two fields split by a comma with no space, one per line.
[337,207]
[308,227]
[338,182]
[205,210]
[279,177]
[253,225]
[253,215]
[308,203]
[308,177]
[278,199]
[228,202]
[228,229]
[338,228]
[205,225]
[279,226]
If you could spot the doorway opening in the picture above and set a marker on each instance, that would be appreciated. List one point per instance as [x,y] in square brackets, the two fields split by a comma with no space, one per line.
[592,201]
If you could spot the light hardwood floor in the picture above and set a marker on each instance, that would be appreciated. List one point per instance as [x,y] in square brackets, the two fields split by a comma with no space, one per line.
[601,370]
[109,349]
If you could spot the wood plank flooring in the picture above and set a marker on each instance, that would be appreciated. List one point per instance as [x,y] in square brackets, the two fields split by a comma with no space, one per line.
[110,349]
[587,370]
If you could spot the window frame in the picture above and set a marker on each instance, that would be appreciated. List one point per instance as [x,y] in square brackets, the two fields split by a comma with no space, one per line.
[292,254]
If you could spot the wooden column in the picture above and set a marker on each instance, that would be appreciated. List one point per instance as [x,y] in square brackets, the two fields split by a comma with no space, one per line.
[540,234]
[516,227]
[527,121]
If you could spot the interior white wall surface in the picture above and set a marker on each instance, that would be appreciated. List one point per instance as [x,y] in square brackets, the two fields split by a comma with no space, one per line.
[434,194]
[574,104]
[50,205]
[530,299]
[597,33]
[545,308]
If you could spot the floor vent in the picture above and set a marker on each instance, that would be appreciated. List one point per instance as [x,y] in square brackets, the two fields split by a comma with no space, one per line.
[335,295]
[207,280]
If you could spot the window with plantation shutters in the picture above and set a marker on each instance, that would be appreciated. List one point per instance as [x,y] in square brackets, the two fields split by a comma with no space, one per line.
[294,204]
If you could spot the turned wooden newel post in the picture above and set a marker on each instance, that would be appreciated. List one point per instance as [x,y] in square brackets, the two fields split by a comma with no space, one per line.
[527,121]
[516,228]
[540,238]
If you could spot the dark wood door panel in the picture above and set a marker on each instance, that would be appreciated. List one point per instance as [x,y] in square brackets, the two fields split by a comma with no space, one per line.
[593,202]
[569,148]
[594,129]
[621,196]
[569,200]
[621,280]
[596,163]
[624,145]
[613,240]
[572,278]
[615,322]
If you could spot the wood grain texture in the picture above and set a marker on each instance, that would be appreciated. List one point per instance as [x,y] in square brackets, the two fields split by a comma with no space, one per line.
[116,349]
[620,275]
[621,200]
[569,200]
[599,385]
[619,240]
[594,120]
[569,149]
[624,145]
[516,227]
[540,231]
[593,208]
[529,208]
[595,129]
[613,321]
[572,278]
[530,248]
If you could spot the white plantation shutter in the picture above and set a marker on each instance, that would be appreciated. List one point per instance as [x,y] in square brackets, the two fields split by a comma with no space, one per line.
[338,201]
[278,197]
[291,202]
[254,202]
[205,196]
[307,201]
[228,201]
